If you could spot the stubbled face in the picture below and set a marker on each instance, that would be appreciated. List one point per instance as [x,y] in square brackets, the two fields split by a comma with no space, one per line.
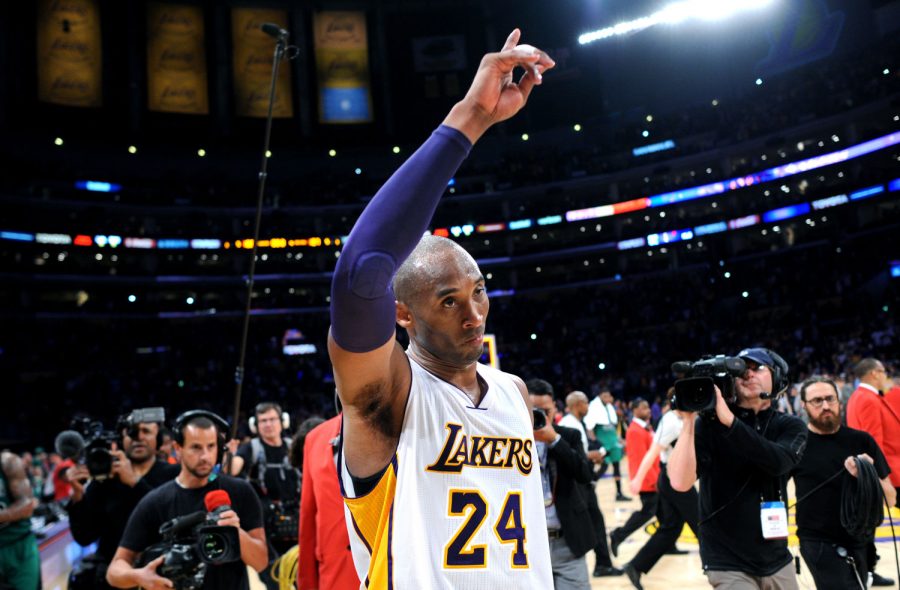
[269,425]
[447,317]
[606,397]
[545,402]
[143,447]
[827,416]
[756,379]
[642,411]
[199,452]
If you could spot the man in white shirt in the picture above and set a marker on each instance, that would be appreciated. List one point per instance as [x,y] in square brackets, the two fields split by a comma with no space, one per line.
[601,421]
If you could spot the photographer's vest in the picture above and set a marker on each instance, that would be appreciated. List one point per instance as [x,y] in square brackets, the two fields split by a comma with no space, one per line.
[284,468]
[11,532]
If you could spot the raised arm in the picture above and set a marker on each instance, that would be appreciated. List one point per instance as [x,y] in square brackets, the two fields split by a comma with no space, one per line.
[371,372]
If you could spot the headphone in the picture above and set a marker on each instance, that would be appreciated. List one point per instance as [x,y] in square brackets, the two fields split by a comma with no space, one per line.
[263,407]
[780,369]
[219,422]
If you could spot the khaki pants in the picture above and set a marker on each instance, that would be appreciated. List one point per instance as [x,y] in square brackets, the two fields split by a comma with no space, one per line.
[783,579]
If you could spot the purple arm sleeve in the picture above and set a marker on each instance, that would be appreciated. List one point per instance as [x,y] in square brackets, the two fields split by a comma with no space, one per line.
[363,313]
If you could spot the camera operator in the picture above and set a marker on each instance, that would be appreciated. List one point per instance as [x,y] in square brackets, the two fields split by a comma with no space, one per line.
[199,440]
[264,460]
[99,509]
[743,453]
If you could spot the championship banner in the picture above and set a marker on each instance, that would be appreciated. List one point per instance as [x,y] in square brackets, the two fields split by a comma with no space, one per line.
[176,59]
[342,67]
[69,53]
[253,53]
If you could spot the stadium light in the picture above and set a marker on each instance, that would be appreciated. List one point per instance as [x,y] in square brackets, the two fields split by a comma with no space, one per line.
[676,13]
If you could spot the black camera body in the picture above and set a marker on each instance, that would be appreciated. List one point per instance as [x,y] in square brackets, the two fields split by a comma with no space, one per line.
[95,452]
[190,545]
[91,444]
[540,418]
[695,392]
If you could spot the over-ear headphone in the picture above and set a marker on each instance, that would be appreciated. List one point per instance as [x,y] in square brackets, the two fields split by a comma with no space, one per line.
[219,422]
[262,408]
[780,370]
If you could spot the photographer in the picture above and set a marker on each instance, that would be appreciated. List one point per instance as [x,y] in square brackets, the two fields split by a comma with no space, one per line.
[99,508]
[199,441]
[743,453]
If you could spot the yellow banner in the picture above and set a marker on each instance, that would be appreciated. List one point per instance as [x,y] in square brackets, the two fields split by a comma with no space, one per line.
[176,59]
[342,67]
[253,52]
[69,53]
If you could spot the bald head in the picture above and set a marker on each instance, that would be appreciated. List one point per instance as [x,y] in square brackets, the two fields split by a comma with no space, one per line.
[577,404]
[427,264]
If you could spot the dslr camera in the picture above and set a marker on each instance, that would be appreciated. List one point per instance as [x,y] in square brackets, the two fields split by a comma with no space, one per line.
[696,392]
[90,443]
[190,544]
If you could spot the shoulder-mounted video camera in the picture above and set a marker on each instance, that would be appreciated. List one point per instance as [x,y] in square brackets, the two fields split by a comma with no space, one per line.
[696,392]
[192,543]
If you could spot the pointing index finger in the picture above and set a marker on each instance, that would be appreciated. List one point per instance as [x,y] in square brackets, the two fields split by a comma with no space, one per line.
[512,40]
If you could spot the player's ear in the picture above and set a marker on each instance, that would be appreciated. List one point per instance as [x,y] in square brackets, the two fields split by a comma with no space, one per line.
[404,315]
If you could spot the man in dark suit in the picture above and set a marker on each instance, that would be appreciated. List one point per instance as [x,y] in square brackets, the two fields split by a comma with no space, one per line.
[566,476]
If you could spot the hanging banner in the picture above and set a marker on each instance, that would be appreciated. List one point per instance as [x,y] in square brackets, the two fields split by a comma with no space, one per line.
[69,53]
[342,67]
[176,59]
[253,53]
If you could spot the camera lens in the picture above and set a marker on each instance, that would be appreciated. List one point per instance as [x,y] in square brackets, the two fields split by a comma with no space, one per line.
[213,546]
[540,418]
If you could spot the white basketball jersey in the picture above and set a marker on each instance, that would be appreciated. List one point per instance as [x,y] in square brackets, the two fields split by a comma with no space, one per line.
[461,504]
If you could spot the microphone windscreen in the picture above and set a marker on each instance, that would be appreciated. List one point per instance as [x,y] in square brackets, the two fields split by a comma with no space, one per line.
[216,498]
[69,444]
[273,30]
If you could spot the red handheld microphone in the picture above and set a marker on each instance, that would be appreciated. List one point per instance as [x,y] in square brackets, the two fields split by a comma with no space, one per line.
[217,502]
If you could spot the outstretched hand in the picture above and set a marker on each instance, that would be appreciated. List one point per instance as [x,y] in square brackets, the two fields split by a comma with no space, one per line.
[494,95]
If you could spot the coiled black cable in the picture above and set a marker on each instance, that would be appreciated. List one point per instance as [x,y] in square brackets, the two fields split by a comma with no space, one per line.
[861,504]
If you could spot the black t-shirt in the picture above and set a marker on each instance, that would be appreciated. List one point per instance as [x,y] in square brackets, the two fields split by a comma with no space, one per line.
[818,515]
[739,467]
[171,500]
[281,480]
[104,510]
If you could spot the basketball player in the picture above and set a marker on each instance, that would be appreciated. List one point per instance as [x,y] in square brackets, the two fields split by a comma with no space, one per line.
[438,464]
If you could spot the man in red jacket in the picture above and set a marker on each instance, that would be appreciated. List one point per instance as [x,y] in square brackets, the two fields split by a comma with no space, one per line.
[638,440]
[325,560]
[868,410]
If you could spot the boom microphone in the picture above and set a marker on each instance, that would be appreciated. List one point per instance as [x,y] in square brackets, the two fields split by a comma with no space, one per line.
[69,444]
[274,31]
